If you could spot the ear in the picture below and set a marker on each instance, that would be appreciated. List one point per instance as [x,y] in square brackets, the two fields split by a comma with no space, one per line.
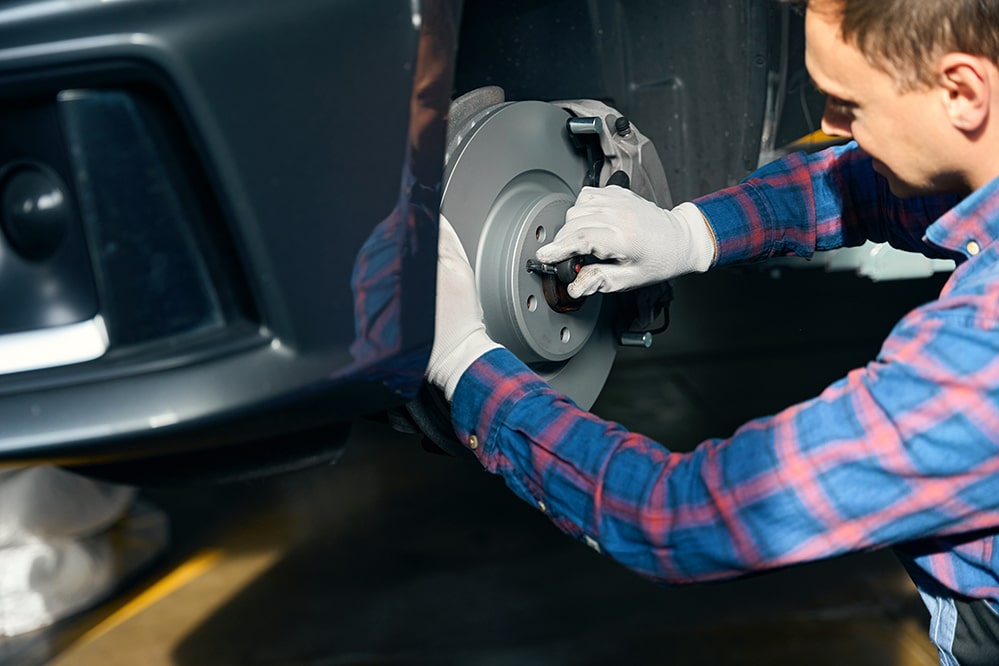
[966,87]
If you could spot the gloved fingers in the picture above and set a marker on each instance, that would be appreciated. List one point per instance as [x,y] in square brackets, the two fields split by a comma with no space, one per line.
[560,249]
[460,336]
[590,280]
[609,197]
[449,245]
[581,238]
[588,229]
[590,214]
[455,277]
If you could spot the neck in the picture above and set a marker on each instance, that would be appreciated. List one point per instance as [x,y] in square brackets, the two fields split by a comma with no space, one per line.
[980,164]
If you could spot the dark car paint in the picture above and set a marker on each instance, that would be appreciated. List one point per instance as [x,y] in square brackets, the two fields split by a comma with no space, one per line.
[306,141]
[298,114]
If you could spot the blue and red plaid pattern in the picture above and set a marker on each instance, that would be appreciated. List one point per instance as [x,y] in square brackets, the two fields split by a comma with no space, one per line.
[390,320]
[903,452]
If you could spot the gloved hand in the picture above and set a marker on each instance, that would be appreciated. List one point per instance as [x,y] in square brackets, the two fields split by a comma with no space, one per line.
[640,243]
[460,336]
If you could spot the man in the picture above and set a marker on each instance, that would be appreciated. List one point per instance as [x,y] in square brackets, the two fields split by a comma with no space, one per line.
[903,452]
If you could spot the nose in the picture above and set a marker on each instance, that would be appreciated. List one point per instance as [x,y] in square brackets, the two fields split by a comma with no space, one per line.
[835,122]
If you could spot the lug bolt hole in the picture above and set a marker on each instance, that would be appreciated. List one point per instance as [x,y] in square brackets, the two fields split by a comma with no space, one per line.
[565,335]
[532,303]
[540,234]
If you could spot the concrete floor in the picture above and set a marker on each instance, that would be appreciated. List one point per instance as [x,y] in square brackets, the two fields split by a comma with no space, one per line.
[396,556]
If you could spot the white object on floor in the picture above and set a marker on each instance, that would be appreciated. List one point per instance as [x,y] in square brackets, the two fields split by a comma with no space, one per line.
[55,552]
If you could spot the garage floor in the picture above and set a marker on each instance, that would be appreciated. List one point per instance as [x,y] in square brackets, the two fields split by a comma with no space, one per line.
[397,556]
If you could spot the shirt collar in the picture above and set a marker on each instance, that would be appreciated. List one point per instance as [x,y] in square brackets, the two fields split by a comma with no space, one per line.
[972,225]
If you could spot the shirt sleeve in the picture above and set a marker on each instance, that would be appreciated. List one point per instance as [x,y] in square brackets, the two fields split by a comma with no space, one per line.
[805,203]
[903,449]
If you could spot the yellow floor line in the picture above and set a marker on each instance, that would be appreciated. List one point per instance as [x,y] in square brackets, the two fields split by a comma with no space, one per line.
[186,572]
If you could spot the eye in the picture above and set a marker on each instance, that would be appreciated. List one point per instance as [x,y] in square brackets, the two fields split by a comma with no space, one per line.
[840,106]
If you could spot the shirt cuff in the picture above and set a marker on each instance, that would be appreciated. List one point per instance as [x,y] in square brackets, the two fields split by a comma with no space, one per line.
[488,414]
[485,394]
[734,218]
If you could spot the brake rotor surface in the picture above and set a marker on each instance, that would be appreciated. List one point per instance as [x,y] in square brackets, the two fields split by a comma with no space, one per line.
[511,174]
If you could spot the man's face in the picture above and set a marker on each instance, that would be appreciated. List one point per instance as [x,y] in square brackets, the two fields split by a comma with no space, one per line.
[901,131]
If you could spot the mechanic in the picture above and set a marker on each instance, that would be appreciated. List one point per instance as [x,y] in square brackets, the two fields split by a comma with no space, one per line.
[903,452]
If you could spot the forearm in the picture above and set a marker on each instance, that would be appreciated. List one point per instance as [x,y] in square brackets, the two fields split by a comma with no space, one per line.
[823,478]
[802,204]
[661,514]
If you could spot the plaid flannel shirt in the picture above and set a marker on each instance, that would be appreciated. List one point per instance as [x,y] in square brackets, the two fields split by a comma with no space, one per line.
[902,452]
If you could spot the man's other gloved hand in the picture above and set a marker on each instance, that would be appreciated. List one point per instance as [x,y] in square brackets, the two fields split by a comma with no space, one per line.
[640,243]
[460,336]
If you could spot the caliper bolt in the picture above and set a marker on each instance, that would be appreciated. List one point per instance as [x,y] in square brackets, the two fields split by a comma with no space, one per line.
[622,126]
[581,126]
[636,339]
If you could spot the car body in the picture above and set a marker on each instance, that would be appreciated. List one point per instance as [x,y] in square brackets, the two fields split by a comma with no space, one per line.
[249,195]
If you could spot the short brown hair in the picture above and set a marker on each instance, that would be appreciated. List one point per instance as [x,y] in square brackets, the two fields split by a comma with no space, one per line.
[905,38]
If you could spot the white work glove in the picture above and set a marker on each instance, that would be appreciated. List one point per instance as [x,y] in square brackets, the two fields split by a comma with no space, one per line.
[460,337]
[641,243]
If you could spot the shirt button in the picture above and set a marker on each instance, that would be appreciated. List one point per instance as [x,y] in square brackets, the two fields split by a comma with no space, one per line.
[541,505]
[591,543]
[473,442]
[973,248]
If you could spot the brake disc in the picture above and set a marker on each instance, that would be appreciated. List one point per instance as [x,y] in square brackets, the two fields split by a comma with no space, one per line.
[511,174]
